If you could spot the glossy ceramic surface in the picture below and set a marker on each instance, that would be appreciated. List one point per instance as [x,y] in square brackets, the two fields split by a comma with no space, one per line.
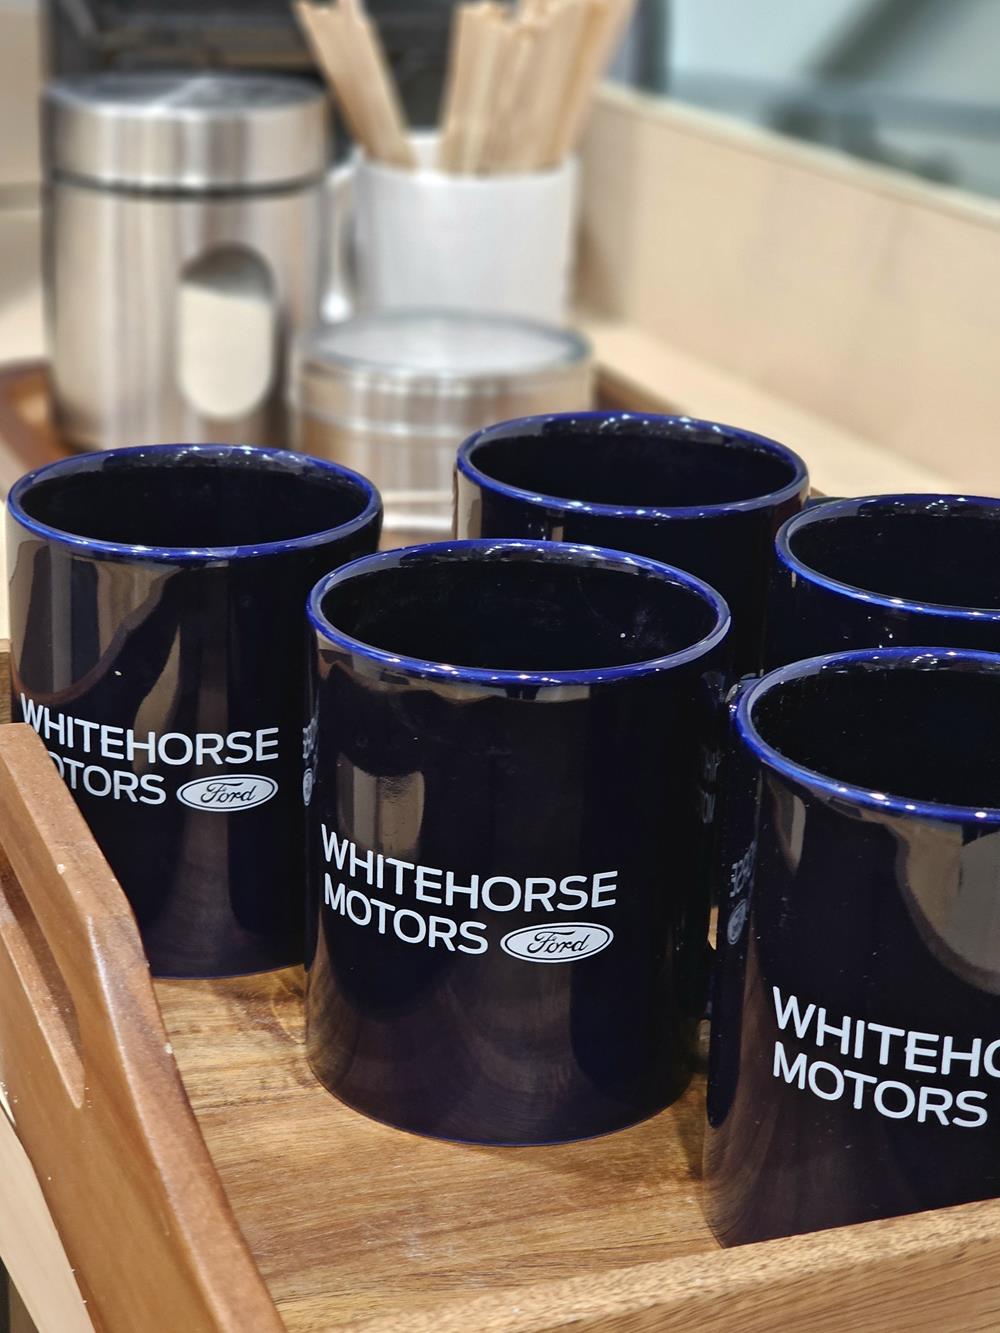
[884,571]
[703,497]
[513,799]
[159,648]
[855,1064]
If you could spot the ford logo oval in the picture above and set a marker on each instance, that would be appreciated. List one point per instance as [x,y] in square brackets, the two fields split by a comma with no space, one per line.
[560,942]
[227,793]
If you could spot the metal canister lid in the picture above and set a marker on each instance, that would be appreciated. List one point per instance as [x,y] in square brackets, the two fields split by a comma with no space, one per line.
[437,371]
[190,132]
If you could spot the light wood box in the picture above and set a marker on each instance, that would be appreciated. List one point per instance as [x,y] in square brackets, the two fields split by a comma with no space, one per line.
[851,311]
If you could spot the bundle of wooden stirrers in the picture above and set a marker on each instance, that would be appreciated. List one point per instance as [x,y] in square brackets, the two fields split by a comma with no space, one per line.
[347,48]
[520,82]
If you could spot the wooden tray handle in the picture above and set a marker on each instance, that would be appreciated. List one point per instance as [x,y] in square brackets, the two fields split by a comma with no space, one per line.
[42,981]
[89,1080]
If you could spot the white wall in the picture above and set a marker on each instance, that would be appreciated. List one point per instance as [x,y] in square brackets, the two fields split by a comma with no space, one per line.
[947,50]
[755,38]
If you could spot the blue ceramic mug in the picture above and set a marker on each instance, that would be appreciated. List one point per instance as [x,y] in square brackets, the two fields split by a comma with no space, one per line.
[886,570]
[703,497]
[159,647]
[855,1060]
[510,825]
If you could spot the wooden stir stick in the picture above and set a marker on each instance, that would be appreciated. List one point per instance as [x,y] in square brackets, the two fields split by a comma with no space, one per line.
[464,36]
[378,88]
[346,46]
[520,82]
[491,39]
[604,26]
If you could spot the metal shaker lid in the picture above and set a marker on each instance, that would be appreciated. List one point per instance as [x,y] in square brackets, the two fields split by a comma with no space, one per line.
[442,370]
[186,131]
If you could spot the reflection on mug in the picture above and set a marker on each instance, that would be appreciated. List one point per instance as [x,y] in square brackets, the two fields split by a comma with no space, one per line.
[510,836]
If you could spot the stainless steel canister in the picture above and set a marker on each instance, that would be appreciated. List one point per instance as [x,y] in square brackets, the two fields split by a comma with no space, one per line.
[393,395]
[183,217]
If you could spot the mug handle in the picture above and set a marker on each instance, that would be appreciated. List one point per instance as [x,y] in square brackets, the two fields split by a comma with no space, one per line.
[340,291]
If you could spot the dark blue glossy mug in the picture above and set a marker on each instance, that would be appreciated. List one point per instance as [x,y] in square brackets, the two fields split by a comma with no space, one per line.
[883,571]
[510,830]
[159,647]
[703,497]
[855,1059]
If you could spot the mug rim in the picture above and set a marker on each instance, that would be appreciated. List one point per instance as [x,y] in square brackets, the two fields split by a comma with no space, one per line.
[829,788]
[570,553]
[566,504]
[93,462]
[849,507]
[577,346]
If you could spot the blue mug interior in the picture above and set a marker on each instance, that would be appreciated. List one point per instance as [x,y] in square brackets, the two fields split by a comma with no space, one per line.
[636,462]
[900,727]
[926,549]
[515,607]
[184,497]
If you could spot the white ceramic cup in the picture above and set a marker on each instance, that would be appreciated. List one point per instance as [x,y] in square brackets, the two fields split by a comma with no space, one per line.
[427,239]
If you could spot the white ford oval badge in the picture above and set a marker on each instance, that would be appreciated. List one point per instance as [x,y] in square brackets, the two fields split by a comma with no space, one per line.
[560,942]
[228,792]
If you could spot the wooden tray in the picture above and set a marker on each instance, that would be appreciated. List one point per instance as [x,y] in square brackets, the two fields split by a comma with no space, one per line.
[171,1164]
[27,436]
[274,1207]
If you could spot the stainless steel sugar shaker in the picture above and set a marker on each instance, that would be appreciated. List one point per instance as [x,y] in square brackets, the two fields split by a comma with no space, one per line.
[182,221]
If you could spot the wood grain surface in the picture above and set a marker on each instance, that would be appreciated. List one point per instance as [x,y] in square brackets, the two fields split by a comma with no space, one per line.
[27,436]
[355,1225]
[348,1218]
[933,1273]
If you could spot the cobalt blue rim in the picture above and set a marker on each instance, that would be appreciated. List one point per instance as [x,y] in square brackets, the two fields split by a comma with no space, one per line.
[829,509]
[822,784]
[565,504]
[94,462]
[501,548]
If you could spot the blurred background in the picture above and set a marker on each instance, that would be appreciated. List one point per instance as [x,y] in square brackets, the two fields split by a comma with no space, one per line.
[911,83]
[786,214]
